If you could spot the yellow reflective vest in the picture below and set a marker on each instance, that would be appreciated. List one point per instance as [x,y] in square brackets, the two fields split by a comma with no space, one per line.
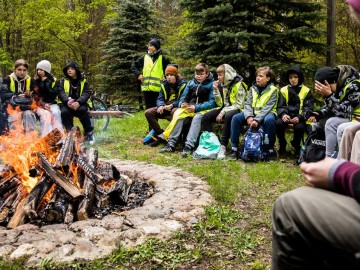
[356,111]
[259,102]
[27,84]
[67,86]
[302,95]
[153,73]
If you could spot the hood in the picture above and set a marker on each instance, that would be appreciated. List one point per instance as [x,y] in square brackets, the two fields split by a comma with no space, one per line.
[74,65]
[296,70]
[230,74]
[347,73]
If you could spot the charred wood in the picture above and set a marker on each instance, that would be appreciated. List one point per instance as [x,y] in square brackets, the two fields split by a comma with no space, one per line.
[61,180]
[89,170]
[10,203]
[58,205]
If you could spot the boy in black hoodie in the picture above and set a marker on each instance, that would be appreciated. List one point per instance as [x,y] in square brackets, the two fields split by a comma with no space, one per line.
[74,93]
[294,103]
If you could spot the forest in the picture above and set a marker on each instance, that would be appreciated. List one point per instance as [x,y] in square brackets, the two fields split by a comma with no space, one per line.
[106,36]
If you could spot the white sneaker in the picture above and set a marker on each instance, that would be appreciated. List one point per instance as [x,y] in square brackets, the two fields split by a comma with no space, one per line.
[222,152]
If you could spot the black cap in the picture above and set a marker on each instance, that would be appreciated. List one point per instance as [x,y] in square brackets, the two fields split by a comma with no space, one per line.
[155,42]
[326,74]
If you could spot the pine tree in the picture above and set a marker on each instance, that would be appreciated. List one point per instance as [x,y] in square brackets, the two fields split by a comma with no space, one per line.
[128,38]
[247,34]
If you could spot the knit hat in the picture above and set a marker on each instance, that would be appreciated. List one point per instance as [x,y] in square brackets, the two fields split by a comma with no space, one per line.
[172,70]
[328,74]
[355,4]
[44,65]
[155,42]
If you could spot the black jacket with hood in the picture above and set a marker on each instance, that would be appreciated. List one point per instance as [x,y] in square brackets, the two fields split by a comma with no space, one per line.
[292,108]
[75,86]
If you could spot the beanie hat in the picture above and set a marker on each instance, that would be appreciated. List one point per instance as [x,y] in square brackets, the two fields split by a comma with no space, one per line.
[328,74]
[355,4]
[172,70]
[44,65]
[155,42]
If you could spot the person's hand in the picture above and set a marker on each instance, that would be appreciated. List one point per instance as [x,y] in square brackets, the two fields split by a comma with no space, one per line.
[141,78]
[311,119]
[323,90]
[249,120]
[169,107]
[357,118]
[295,120]
[215,85]
[160,109]
[74,105]
[191,108]
[254,124]
[184,105]
[219,118]
[43,78]
[286,118]
[316,173]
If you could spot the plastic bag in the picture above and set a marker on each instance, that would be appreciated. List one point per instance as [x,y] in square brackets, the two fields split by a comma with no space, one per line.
[209,146]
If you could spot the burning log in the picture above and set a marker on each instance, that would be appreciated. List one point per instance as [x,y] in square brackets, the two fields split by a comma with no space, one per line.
[61,180]
[84,209]
[9,183]
[67,151]
[58,205]
[27,207]
[11,202]
[89,170]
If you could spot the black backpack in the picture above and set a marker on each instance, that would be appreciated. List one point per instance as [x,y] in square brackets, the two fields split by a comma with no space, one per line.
[313,148]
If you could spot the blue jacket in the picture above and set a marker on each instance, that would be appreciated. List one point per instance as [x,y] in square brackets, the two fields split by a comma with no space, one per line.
[165,93]
[199,94]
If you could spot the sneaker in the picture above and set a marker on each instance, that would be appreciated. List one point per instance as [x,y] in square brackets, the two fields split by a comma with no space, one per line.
[91,138]
[222,152]
[186,151]
[271,155]
[168,148]
[150,137]
[233,153]
[157,142]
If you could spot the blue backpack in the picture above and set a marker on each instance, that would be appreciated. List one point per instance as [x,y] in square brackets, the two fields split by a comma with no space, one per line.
[252,149]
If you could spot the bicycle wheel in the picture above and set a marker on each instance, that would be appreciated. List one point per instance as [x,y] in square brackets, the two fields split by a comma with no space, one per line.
[100,123]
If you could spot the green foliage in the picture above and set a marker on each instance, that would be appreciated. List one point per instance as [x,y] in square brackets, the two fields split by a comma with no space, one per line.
[248,34]
[130,32]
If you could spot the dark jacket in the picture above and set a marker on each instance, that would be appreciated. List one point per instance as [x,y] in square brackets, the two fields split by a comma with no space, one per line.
[75,87]
[164,98]
[46,91]
[292,107]
[6,93]
[340,103]
[138,65]
[199,94]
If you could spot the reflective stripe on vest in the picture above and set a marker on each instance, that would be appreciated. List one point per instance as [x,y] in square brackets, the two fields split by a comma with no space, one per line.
[259,102]
[172,97]
[356,110]
[302,95]
[67,86]
[152,73]
[27,84]
[235,89]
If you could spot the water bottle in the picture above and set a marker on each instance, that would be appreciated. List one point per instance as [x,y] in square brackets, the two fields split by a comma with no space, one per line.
[266,139]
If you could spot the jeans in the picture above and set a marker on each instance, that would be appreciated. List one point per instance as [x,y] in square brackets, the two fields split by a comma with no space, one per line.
[194,131]
[331,127]
[25,118]
[49,120]
[268,126]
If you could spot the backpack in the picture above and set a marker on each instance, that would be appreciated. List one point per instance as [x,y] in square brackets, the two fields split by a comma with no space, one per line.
[253,148]
[209,146]
[313,148]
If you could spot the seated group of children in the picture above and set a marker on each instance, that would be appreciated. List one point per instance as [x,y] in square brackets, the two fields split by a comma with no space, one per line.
[25,99]
[227,100]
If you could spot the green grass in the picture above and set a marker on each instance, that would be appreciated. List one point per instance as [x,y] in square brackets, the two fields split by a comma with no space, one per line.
[236,233]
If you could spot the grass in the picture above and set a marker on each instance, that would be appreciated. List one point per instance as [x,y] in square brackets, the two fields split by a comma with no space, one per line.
[236,233]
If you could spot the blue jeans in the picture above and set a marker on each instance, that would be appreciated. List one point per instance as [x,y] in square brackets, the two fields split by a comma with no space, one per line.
[268,126]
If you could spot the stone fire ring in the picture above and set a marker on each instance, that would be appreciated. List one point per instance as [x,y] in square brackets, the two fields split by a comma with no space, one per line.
[177,204]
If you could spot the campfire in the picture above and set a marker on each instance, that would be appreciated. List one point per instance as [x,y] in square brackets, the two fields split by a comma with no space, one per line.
[56,179]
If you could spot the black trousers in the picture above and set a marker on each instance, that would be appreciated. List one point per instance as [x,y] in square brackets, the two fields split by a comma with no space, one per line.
[68,114]
[210,117]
